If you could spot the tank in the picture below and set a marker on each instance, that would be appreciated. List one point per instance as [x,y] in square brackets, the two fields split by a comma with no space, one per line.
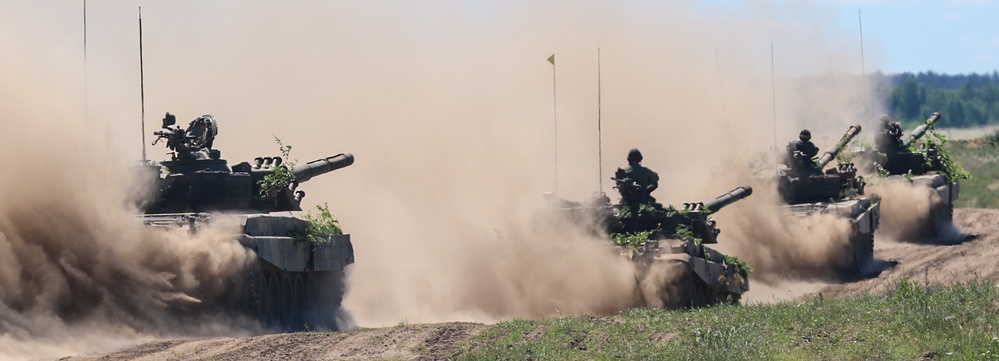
[838,191]
[903,159]
[293,284]
[672,242]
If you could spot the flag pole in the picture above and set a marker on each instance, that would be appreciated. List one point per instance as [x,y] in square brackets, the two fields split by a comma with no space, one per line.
[551,59]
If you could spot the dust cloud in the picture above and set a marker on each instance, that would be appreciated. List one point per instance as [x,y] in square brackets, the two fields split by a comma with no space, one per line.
[905,209]
[78,271]
[452,116]
[781,246]
[907,213]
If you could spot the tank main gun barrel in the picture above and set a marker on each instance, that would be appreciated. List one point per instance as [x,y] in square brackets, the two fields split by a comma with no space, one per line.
[832,152]
[921,130]
[322,166]
[728,198]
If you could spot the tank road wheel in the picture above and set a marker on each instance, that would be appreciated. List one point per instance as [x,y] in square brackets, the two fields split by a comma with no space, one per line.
[263,299]
[287,302]
[731,298]
[274,301]
[323,293]
[943,218]
[683,288]
[863,253]
[310,293]
[298,303]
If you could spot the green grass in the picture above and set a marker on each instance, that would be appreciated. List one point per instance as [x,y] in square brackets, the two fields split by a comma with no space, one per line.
[959,322]
[980,157]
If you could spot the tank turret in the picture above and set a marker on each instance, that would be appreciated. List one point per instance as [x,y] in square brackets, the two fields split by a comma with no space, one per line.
[197,179]
[901,159]
[813,185]
[694,216]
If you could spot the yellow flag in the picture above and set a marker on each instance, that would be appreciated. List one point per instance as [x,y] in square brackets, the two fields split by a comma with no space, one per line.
[551,59]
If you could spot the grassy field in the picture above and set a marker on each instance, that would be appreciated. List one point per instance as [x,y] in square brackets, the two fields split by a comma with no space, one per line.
[910,322]
[980,157]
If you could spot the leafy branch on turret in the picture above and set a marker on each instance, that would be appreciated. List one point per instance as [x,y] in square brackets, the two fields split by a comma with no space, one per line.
[282,175]
[631,239]
[951,170]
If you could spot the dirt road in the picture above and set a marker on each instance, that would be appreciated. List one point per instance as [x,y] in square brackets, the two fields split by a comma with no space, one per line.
[974,258]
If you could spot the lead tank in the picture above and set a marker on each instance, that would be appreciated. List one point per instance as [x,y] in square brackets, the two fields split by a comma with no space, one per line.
[924,165]
[294,283]
[809,190]
[672,244]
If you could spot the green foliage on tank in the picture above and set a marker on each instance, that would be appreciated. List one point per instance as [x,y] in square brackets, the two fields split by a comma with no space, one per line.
[282,175]
[318,227]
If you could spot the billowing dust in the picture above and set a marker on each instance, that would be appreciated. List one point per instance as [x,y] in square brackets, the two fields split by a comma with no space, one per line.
[78,271]
[450,114]
[907,210]
[781,246]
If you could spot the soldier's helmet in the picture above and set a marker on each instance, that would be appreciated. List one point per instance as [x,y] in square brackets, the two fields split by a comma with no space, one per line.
[634,155]
[805,135]
[885,120]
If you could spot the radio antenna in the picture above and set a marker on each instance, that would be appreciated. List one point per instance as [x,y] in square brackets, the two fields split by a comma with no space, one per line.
[142,89]
[86,96]
[773,96]
[551,59]
[600,138]
[860,21]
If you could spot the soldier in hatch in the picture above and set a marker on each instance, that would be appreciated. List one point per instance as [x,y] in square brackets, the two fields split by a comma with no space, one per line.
[802,151]
[636,182]
[889,140]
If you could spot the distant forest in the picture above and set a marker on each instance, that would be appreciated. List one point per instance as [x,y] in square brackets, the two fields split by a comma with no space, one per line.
[964,100]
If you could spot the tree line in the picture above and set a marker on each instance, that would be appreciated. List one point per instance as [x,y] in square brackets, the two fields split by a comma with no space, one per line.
[964,100]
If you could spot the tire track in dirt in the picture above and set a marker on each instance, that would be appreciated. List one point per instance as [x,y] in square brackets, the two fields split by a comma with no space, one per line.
[403,342]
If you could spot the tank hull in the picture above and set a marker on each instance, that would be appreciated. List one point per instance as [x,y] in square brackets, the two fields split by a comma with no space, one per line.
[945,194]
[864,216]
[706,280]
[291,285]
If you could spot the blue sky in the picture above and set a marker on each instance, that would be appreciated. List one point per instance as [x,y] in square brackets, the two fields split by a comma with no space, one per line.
[949,36]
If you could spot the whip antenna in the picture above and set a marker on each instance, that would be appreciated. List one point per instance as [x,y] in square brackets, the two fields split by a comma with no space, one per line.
[86,96]
[860,20]
[142,88]
[551,59]
[773,95]
[600,138]
[863,69]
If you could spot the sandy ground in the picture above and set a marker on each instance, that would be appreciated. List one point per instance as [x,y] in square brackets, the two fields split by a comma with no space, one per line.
[974,258]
